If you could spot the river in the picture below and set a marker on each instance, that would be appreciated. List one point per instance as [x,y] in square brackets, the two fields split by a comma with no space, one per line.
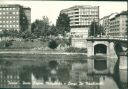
[23,73]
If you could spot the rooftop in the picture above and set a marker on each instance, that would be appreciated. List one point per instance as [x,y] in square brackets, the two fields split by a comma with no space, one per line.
[13,5]
[80,6]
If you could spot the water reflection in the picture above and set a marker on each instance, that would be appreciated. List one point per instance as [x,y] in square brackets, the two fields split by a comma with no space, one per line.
[54,75]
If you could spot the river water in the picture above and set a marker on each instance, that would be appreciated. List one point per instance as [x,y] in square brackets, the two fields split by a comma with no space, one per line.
[38,74]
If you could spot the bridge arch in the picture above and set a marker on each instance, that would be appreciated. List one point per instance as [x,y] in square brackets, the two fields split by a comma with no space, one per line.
[100,48]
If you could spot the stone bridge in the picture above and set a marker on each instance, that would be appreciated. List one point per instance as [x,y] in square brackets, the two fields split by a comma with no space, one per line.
[104,52]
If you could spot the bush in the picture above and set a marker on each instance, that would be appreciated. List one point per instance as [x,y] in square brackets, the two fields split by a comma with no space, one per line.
[5,44]
[79,50]
[52,44]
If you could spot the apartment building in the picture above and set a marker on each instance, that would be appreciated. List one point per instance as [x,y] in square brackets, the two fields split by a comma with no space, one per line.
[80,21]
[105,22]
[118,25]
[11,19]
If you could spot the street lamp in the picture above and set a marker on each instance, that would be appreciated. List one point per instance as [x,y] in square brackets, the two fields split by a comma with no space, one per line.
[127,42]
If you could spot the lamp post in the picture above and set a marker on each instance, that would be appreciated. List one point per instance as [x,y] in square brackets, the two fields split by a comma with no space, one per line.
[127,41]
[94,29]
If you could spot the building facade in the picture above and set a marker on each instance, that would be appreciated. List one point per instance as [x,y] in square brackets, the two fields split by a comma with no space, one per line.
[115,25]
[80,20]
[118,25]
[10,17]
[105,22]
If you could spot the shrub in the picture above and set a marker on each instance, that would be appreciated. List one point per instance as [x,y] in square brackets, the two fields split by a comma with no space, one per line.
[52,44]
[5,44]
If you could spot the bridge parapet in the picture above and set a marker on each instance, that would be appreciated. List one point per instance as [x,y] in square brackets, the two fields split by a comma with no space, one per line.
[107,38]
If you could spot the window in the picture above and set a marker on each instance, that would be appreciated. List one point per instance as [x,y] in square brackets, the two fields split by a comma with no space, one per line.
[17,12]
[76,12]
[10,8]
[10,12]
[6,12]
[76,19]
[76,22]
[77,16]
[3,13]
[14,13]
[6,8]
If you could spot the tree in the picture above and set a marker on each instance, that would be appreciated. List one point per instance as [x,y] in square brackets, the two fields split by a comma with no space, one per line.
[1,34]
[93,29]
[102,31]
[13,33]
[25,35]
[23,20]
[63,24]
[41,27]
[53,30]
[5,33]
[96,29]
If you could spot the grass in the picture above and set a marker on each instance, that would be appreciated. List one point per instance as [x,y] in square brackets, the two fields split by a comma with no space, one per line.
[24,44]
[28,44]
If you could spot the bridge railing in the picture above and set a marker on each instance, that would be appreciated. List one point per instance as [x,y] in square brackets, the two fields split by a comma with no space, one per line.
[124,38]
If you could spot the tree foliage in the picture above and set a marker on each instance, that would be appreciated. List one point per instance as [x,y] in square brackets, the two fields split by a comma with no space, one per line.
[96,29]
[52,44]
[63,24]
[93,29]
[41,27]
[23,20]
[53,30]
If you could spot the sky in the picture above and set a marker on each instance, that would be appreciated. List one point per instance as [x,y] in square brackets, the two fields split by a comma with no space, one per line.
[51,9]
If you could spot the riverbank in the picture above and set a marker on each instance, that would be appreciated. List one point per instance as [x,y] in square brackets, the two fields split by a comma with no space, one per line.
[41,55]
[38,52]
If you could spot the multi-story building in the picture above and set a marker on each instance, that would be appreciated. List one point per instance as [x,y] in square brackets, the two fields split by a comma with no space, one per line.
[80,21]
[10,17]
[105,22]
[118,25]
